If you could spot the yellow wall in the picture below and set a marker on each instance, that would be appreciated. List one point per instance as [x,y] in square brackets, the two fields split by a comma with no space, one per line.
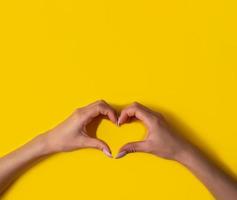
[178,57]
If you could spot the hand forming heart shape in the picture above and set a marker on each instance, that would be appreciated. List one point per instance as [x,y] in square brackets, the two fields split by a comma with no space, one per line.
[161,141]
[73,132]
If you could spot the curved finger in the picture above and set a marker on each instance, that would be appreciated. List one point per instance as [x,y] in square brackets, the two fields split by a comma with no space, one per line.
[132,147]
[135,110]
[100,108]
[100,145]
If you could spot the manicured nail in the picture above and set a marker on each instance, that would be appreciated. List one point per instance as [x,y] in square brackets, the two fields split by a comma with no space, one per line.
[107,153]
[118,122]
[121,154]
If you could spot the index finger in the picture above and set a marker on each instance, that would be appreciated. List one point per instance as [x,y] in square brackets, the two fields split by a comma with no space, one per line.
[100,108]
[135,110]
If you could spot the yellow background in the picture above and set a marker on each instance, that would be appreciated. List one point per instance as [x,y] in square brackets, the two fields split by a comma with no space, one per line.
[176,56]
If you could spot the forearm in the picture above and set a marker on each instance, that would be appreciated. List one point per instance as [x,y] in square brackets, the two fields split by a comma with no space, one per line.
[220,184]
[13,164]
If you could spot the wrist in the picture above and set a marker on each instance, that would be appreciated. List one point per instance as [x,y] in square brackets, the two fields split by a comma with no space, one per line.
[186,154]
[43,144]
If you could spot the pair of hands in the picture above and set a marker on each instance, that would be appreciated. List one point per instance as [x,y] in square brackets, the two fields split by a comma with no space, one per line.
[161,141]
[72,133]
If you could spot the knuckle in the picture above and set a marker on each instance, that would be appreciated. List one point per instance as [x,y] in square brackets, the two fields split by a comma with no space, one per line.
[132,148]
[101,101]
[99,146]
[154,120]
[162,122]
[100,106]
[77,111]
[135,104]
[159,115]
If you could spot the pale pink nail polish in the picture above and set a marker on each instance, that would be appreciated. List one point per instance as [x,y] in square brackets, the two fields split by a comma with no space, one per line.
[107,153]
[118,122]
[121,154]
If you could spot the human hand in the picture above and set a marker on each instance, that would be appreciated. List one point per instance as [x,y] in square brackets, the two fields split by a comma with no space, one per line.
[160,140]
[72,133]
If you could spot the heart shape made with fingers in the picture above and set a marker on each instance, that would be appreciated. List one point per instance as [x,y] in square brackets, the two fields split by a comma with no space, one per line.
[116,136]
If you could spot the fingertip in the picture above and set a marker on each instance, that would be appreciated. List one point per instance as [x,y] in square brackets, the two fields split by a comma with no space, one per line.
[121,119]
[113,117]
[105,147]
[121,154]
[118,122]
[107,153]
[99,144]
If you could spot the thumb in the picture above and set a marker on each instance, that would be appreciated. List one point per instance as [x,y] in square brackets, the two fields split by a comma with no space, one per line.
[132,147]
[99,144]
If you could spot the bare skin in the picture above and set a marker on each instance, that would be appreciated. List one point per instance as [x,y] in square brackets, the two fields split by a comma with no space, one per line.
[67,136]
[160,141]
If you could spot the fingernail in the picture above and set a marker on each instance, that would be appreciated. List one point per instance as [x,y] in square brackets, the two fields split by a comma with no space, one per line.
[121,154]
[118,122]
[107,153]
